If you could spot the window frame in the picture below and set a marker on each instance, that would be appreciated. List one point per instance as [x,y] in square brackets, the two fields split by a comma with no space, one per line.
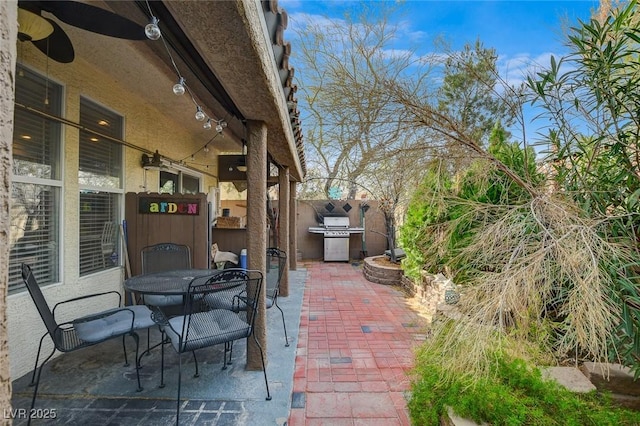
[180,173]
[84,188]
[55,184]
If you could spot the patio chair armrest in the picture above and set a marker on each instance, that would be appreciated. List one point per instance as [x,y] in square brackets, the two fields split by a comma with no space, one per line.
[240,298]
[158,316]
[88,296]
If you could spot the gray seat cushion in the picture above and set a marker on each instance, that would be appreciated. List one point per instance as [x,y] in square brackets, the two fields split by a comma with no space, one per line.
[206,329]
[115,322]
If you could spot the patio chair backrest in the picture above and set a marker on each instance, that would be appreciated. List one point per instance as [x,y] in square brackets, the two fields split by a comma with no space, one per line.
[165,257]
[108,237]
[276,263]
[38,299]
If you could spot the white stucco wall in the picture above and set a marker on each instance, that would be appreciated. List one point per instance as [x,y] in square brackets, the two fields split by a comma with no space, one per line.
[145,126]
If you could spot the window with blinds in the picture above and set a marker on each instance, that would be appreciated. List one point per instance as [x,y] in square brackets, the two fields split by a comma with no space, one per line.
[34,236]
[100,181]
[178,182]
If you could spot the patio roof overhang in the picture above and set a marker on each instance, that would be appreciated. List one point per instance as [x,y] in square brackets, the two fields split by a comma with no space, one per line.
[232,56]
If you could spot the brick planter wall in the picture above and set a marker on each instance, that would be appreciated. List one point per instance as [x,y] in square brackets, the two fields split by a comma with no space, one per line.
[381,274]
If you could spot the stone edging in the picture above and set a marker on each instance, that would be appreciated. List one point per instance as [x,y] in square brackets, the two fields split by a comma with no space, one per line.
[381,274]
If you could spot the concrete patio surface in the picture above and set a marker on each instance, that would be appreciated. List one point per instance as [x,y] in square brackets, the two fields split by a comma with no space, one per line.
[350,349]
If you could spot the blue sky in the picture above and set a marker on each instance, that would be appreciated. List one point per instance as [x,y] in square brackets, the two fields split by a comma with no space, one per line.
[524,33]
[516,29]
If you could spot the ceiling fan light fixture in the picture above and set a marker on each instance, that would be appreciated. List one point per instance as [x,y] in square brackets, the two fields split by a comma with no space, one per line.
[151,30]
[32,27]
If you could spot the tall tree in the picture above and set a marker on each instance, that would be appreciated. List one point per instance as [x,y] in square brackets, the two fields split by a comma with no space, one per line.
[469,96]
[352,126]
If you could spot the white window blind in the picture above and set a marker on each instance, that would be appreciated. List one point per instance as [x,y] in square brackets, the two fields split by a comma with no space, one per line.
[100,181]
[36,183]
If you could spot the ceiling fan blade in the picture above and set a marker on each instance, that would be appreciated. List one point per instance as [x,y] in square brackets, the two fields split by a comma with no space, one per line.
[94,19]
[57,46]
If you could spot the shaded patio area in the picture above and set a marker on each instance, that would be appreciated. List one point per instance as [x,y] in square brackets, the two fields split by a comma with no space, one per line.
[351,346]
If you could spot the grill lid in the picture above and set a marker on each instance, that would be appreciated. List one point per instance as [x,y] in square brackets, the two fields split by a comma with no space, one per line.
[333,222]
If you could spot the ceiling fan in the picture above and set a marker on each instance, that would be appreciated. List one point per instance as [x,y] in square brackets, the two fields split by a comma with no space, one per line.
[50,38]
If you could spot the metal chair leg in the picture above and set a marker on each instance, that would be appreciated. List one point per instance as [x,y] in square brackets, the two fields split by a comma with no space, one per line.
[37,384]
[162,362]
[286,339]
[230,353]
[179,386]
[137,340]
[264,367]
[196,362]
[226,348]
[35,366]
[124,349]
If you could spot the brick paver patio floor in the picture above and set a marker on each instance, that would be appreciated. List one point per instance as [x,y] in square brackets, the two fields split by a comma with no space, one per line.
[355,348]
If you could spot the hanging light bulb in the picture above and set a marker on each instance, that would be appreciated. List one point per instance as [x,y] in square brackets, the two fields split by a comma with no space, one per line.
[178,88]
[219,127]
[152,31]
[207,125]
[199,114]
[206,148]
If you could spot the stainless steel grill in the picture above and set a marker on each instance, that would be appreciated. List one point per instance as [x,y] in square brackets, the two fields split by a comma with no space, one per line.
[336,232]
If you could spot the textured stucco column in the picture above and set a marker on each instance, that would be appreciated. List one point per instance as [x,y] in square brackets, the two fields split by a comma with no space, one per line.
[293,227]
[257,230]
[283,219]
[8,40]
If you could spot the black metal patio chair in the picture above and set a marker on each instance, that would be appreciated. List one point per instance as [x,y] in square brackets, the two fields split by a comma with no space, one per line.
[85,331]
[276,264]
[203,326]
[164,257]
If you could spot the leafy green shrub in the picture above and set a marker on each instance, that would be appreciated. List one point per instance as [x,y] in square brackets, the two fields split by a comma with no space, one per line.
[444,214]
[514,393]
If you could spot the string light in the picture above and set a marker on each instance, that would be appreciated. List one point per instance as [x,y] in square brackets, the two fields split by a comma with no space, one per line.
[199,114]
[205,148]
[178,88]
[220,125]
[151,30]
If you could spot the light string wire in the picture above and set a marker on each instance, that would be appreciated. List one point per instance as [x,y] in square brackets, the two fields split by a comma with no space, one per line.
[204,147]
[220,123]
